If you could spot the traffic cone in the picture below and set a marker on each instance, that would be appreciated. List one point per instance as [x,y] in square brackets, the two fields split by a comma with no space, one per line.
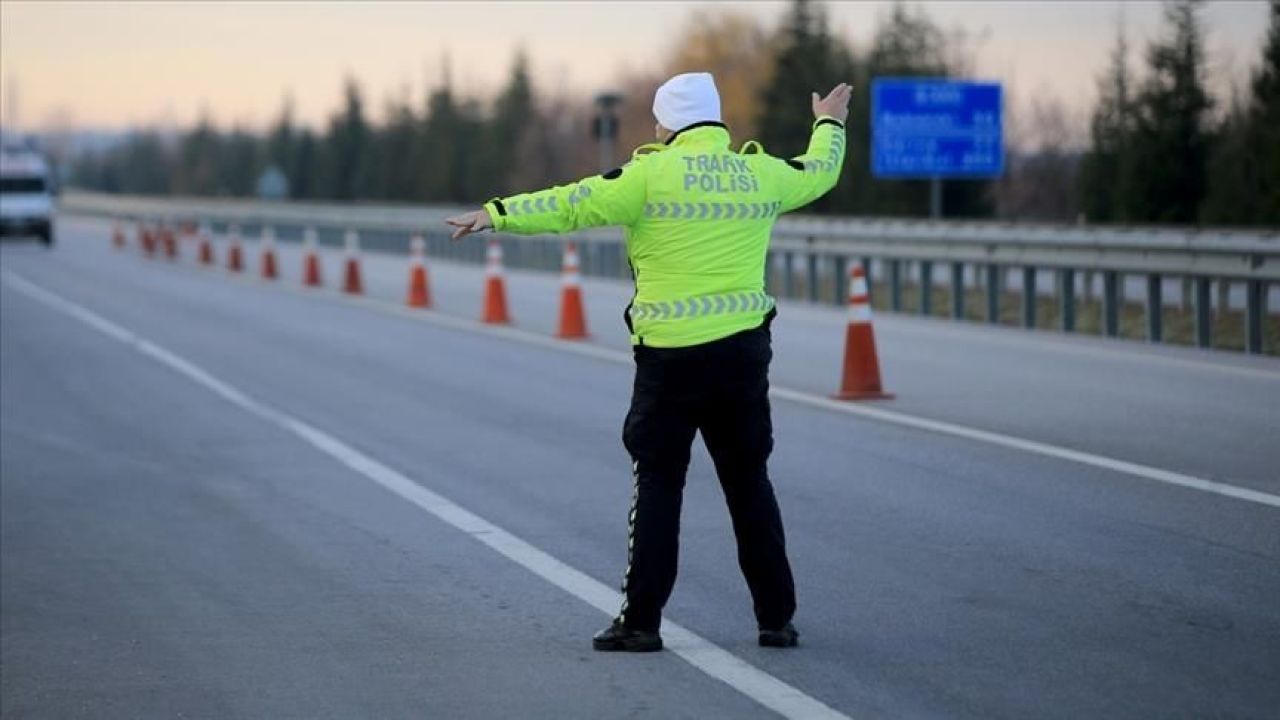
[206,246]
[495,287]
[268,242]
[311,260]
[235,259]
[351,282]
[117,236]
[419,296]
[573,319]
[861,379]
[170,242]
[145,242]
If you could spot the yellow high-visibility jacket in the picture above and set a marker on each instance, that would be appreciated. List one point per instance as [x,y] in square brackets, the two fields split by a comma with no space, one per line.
[697,218]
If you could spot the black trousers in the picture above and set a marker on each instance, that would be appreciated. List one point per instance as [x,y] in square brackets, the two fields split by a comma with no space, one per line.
[721,389]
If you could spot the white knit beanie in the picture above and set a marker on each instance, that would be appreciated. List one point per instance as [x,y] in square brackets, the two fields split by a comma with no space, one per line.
[687,99]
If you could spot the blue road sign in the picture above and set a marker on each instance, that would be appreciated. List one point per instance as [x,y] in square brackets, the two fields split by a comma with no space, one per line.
[930,128]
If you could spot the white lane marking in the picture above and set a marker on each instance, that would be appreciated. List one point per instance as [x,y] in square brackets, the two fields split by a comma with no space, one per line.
[1032,446]
[1073,344]
[1146,472]
[760,686]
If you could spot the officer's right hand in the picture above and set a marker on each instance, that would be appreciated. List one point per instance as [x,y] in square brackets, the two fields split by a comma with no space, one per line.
[835,104]
[468,223]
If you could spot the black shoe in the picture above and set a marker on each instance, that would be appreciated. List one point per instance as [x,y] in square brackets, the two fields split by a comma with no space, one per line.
[786,637]
[617,638]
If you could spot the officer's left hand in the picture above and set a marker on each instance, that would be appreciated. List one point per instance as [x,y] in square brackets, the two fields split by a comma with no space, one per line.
[468,223]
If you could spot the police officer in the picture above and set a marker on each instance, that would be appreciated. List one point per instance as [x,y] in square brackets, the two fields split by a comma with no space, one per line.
[697,219]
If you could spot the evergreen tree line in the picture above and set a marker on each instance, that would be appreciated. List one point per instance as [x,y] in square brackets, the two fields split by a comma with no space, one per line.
[1158,152]
[447,151]
[808,55]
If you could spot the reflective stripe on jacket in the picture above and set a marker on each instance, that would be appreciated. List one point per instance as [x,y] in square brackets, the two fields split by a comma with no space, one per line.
[697,218]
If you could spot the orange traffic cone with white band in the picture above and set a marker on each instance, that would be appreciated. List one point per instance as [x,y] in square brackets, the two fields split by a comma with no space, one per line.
[145,243]
[311,260]
[861,379]
[573,319]
[206,246]
[351,283]
[235,258]
[117,236]
[418,296]
[268,253]
[170,242]
[495,287]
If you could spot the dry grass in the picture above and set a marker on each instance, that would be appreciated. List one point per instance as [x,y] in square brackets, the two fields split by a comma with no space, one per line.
[1179,324]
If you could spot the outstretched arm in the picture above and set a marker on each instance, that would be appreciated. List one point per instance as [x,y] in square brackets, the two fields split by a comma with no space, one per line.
[807,177]
[614,198]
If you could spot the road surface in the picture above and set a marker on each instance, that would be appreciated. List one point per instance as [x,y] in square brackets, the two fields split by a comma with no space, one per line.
[221,497]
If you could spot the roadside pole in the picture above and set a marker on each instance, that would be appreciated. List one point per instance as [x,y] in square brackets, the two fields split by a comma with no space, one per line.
[605,127]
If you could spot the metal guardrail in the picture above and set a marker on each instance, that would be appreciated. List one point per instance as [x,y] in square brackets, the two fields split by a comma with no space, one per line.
[810,256]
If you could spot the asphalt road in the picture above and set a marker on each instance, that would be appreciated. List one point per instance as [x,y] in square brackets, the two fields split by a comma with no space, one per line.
[1122,399]
[164,553]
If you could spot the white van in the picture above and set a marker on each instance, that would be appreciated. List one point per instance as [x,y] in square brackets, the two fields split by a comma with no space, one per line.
[26,195]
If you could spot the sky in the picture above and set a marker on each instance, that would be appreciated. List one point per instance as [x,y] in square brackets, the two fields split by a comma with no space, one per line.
[110,65]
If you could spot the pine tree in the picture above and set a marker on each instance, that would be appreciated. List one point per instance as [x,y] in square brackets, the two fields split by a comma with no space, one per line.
[807,59]
[1234,184]
[345,150]
[513,116]
[803,63]
[281,143]
[240,160]
[303,167]
[907,44]
[1104,167]
[198,150]
[1167,178]
[799,62]
[391,172]
[1264,124]
[435,157]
